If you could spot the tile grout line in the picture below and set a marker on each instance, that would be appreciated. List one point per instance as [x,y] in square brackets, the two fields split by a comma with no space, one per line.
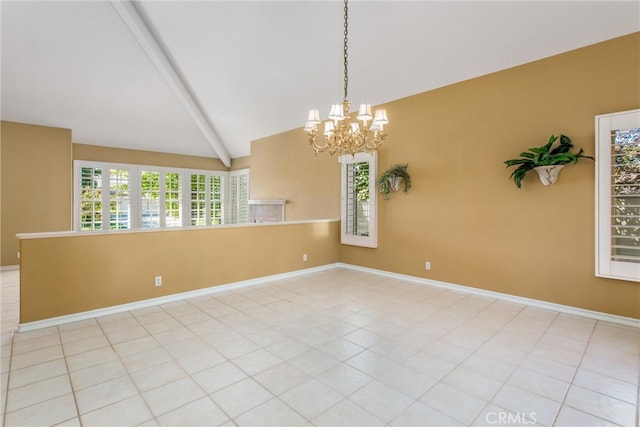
[6,396]
[188,375]
[575,372]
[584,354]
[66,365]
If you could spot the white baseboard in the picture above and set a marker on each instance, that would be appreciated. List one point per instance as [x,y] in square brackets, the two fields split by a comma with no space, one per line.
[10,267]
[597,315]
[60,320]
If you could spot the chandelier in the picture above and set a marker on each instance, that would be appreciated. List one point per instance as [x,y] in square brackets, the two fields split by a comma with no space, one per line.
[340,134]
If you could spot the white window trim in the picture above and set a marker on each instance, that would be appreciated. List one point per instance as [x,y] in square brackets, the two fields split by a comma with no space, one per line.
[605,267]
[370,241]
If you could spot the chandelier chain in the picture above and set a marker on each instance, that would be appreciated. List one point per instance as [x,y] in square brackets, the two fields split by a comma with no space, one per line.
[342,134]
[345,53]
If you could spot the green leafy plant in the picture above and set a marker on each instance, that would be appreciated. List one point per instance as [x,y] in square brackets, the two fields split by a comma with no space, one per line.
[544,156]
[395,171]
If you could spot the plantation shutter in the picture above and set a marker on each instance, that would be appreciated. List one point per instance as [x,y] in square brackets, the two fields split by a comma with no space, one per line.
[198,200]
[618,195]
[239,197]
[119,199]
[90,198]
[625,195]
[357,199]
[216,204]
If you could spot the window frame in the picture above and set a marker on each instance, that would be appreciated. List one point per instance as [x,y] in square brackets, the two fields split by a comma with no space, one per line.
[370,241]
[604,265]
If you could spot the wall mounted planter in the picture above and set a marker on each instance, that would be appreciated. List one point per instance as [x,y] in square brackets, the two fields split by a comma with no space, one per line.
[548,174]
[393,178]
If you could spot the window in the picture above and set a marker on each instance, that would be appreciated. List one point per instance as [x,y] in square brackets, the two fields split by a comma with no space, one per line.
[173,199]
[90,198]
[119,202]
[239,196]
[103,197]
[150,199]
[216,201]
[618,195]
[358,200]
[133,196]
[198,199]
[207,198]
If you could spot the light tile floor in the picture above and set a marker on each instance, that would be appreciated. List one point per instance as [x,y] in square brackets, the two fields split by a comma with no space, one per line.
[338,347]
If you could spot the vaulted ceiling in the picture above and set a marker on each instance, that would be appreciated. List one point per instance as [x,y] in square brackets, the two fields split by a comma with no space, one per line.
[244,70]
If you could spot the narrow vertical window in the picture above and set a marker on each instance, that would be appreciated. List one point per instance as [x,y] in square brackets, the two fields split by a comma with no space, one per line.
[358,200]
[625,195]
[198,199]
[216,189]
[119,200]
[239,197]
[172,200]
[618,196]
[90,198]
[150,199]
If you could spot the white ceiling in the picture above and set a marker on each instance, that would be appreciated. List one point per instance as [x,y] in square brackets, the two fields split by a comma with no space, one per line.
[255,68]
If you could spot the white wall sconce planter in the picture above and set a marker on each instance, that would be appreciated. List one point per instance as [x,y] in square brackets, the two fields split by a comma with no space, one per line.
[548,174]
[394,183]
[547,160]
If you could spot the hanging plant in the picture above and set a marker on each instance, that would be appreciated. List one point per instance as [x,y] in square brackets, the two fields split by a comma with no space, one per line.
[546,161]
[393,178]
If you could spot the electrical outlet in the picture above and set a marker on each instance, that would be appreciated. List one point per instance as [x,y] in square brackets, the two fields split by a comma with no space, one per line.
[304,257]
[158,281]
[427,265]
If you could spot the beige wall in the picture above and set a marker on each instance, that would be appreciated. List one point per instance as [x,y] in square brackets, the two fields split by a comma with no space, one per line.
[36,183]
[65,275]
[284,167]
[463,213]
[139,157]
[240,163]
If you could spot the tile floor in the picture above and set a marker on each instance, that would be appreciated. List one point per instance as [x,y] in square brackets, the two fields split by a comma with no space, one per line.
[9,300]
[337,347]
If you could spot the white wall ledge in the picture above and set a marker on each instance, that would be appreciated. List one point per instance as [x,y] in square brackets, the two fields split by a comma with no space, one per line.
[54,234]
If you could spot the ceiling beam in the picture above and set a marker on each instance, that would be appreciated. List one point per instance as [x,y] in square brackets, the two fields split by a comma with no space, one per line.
[138,27]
